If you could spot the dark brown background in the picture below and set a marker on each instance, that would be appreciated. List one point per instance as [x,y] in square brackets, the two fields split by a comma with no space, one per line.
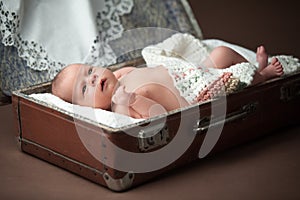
[264,169]
[274,24]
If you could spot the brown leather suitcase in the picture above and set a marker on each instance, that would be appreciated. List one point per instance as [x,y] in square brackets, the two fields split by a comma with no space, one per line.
[121,158]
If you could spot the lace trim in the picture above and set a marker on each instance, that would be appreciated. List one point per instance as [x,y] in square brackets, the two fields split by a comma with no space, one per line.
[108,25]
[9,24]
[34,54]
[109,28]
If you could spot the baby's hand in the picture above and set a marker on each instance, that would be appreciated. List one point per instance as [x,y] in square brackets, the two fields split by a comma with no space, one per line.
[122,97]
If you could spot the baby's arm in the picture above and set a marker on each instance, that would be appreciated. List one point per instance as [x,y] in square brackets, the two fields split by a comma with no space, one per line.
[135,105]
[125,110]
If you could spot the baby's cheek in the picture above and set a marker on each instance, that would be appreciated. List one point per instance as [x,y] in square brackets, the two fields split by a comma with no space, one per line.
[101,101]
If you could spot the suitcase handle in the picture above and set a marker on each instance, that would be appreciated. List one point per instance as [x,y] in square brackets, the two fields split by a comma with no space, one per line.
[204,123]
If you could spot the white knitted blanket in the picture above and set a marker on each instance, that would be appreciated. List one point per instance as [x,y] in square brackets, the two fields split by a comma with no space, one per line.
[104,117]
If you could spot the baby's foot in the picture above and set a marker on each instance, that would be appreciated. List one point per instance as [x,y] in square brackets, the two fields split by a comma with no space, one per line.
[274,69]
[261,58]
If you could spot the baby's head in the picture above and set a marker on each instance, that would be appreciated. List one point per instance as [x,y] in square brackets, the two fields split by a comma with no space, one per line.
[85,85]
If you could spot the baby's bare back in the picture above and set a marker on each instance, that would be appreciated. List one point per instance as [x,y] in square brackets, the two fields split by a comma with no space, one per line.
[156,84]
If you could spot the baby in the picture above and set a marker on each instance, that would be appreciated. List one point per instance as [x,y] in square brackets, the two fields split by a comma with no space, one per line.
[145,92]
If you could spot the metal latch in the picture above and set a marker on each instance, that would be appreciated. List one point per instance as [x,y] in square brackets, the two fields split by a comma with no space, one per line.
[153,136]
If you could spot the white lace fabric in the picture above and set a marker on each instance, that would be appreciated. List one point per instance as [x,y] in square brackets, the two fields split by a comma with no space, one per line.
[52,34]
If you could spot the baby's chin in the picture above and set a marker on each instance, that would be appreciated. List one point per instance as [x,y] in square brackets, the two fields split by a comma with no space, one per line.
[102,105]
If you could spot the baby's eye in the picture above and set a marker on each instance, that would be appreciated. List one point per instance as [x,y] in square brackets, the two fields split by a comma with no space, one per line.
[83,89]
[90,71]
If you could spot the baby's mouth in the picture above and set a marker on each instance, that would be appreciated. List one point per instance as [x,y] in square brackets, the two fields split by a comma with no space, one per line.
[102,84]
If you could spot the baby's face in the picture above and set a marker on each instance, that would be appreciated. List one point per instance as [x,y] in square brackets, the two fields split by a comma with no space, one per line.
[92,86]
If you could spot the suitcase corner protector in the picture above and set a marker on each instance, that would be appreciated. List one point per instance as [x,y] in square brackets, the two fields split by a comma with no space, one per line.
[18,140]
[120,184]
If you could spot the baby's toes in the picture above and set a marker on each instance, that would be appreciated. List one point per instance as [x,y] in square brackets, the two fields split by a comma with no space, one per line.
[279,70]
[274,60]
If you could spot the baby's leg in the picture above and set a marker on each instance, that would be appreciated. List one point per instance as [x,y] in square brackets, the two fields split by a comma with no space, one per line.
[223,57]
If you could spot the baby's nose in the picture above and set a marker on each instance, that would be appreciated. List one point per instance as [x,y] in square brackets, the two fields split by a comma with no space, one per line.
[93,79]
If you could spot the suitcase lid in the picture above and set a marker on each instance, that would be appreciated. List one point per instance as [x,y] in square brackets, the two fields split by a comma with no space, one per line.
[111,27]
[149,22]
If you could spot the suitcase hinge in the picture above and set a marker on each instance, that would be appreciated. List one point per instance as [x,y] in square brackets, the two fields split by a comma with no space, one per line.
[119,184]
[152,137]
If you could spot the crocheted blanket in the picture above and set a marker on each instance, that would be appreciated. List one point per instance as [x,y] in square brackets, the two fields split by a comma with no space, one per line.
[182,54]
